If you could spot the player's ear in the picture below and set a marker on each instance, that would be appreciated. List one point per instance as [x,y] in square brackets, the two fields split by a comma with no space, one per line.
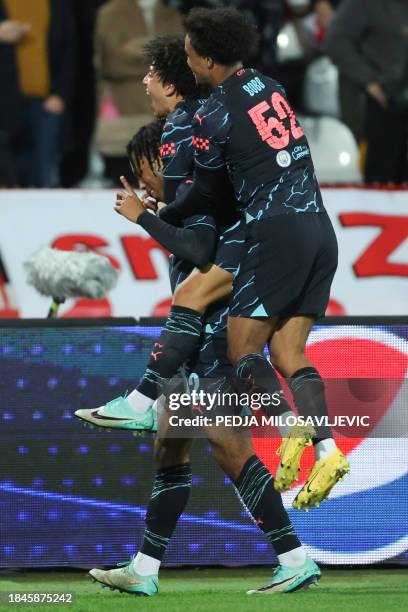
[210,63]
[170,90]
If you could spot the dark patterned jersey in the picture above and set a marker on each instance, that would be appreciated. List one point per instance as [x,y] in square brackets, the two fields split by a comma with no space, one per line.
[248,126]
[216,316]
[176,148]
[177,153]
[180,268]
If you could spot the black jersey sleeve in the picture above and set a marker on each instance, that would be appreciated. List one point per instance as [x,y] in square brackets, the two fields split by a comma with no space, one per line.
[208,188]
[176,150]
[211,126]
[195,242]
[170,190]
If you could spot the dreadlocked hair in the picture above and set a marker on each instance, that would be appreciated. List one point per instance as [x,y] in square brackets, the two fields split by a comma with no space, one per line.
[167,56]
[146,143]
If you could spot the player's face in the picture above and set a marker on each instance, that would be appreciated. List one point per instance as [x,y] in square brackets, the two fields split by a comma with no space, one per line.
[199,66]
[150,180]
[157,91]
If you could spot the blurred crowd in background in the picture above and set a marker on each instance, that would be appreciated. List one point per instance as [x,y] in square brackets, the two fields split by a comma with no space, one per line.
[71,93]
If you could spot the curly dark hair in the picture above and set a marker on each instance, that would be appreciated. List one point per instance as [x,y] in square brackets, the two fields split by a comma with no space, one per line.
[168,57]
[223,34]
[146,143]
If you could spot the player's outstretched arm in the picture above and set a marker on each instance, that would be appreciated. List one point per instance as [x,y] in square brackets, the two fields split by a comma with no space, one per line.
[196,245]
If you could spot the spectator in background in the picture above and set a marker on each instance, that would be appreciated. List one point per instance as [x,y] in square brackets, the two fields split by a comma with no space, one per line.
[81,108]
[184,6]
[351,96]
[11,33]
[324,11]
[268,17]
[291,72]
[42,62]
[123,28]
[368,41]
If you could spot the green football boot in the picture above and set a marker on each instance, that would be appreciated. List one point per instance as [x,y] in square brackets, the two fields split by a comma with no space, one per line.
[289,579]
[118,414]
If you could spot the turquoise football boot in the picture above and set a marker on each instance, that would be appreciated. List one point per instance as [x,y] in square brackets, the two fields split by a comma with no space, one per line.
[289,579]
[118,414]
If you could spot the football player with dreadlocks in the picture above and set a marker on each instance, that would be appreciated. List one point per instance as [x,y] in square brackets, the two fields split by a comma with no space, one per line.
[174,95]
[248,128]
[234,453]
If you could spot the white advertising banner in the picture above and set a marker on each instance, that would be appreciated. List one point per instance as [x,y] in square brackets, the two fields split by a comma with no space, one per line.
[371,227]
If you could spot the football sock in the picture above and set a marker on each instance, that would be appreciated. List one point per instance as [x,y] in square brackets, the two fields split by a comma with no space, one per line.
[307,387]
[255,488]
[293,558]
[169,497]
[284,427]
[145,565]
[139,402]
[254,374]
[324,448]
[178,340]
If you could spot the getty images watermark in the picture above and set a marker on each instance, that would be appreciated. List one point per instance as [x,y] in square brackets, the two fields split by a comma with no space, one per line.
[214,409]
[233,420]
[209,401]
[356,407]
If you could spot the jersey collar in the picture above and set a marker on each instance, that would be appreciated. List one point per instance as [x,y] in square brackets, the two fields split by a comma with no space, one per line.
[242,73]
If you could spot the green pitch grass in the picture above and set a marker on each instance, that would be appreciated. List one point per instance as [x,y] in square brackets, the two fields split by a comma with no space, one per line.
[220,590]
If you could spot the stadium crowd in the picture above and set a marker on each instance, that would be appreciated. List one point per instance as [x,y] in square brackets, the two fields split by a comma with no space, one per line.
[71,79]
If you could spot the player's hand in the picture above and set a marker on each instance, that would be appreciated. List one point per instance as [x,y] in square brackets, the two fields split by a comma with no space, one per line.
[54,104]
[128,204]
[376,91]
[160,206]
[12,31]
[149,202]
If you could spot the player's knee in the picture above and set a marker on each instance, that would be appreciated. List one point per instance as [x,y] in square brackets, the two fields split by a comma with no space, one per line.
[224,460]
[167,454]
[157,450]
[231,354]
[285,361]
[190,295]
[237,350]
[278,361]
[180,296]
[231,456]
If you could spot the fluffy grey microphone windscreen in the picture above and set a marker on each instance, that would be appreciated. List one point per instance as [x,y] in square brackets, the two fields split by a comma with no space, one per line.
[67,274]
